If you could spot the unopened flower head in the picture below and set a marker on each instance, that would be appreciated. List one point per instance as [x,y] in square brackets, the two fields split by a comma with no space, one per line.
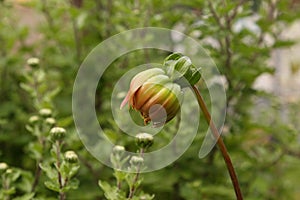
[57,133]
[71,157]
[50,121]
[118,149]
[144,140]
[3,166]
[33,119]
[154,95]
[45,112]
[136,160]
[33,62]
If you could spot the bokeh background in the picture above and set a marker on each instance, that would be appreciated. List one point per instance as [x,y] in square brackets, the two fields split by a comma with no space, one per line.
[254,43]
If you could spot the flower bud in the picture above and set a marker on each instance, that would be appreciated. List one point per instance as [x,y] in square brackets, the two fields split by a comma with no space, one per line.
[136,160]
[50,121]
[71,157]
[33,119]
[9,171]
[118,149]
[33,62]
[181,70]
[154,94]
[144,140]
[57,133]
[3,166]
[45,112]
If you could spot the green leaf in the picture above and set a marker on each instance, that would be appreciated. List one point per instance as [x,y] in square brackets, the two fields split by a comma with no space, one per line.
[36,150]
[69,170]
[283,43]
[111,192]
[9,191]
[25,197]
[27,88]
[50,172]
[52,185]
[72,184]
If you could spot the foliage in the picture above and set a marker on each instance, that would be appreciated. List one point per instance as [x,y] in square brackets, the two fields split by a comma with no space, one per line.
[239,35]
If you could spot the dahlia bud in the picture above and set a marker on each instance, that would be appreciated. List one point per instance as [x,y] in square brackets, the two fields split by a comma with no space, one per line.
[154,94]
[71,157]
[144,140]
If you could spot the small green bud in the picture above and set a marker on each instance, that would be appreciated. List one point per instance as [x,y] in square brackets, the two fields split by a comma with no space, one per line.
[9,171]
[45,112]
[3,166]
[144,140]
[71,157]
[136,160]
[33,119]
[57,133]
[181,70]
[33,62]
[50,121]
[118,149]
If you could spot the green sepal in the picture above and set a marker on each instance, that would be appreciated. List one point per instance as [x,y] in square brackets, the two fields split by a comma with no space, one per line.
[181,70]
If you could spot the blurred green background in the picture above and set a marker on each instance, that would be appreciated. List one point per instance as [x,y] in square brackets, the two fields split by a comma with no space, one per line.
[254,43]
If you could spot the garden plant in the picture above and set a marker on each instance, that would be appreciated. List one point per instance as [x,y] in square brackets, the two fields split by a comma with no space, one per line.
[254,152]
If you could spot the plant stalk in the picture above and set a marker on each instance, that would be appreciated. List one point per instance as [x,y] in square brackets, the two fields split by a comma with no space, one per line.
[136,178]
[220,143]
[62,195]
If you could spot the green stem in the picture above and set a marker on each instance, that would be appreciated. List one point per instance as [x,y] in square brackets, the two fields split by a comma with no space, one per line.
[220,143]
[136,178]
[62,195]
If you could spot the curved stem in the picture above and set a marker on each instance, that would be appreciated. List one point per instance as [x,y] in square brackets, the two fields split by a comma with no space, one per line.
[220,143]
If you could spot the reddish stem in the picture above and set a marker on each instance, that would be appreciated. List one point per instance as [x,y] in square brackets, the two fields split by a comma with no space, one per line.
[220,143]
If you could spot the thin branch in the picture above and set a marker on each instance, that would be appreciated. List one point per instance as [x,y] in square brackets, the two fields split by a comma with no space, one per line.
[235,11]
[215,15]
[37,175]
